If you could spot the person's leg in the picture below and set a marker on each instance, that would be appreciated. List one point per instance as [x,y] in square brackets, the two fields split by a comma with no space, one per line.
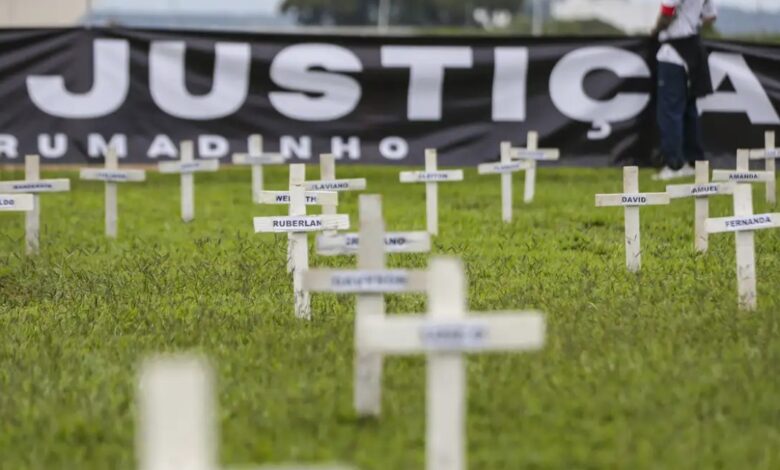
[693,148]
[671,97]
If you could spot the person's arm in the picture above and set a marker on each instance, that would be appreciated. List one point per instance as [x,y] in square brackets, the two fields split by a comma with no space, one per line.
[665,18]
[709,13]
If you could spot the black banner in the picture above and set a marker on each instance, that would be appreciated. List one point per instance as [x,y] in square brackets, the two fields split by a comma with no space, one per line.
[67,94]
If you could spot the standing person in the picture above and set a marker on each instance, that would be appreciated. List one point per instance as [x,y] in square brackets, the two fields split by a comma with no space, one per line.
[683,76]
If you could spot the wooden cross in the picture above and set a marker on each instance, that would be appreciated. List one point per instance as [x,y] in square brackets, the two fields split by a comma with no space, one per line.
[112,175]
[769,154]
[444,334]
[505,168]
[33,184]
[187,167]
[532,154]
[297,225]
[370,282]
[631,199]
[744,223]
[177,425]
[256,159]
[432,176]
[701,190]
[742,173]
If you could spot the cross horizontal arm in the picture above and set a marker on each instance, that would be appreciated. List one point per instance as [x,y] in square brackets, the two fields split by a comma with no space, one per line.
[677,191]
[112,176]
[742,223]
[387,281]
[540,154]
[395,242]
[407,334]
[264,159]
[313,198]
[764,154]
[632,199]
[37,186]
[499,167]
[188,167]
[354,184]
[742,176]
[16,202]
[301,223]
[431,176]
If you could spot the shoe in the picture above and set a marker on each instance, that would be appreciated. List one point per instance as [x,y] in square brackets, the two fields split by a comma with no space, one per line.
[665,174]
[686,171]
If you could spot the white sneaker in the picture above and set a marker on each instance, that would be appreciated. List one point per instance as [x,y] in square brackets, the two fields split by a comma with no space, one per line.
[686,171]
[665,174]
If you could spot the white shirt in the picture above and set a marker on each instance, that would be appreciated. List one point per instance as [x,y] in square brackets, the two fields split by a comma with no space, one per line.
[688,16]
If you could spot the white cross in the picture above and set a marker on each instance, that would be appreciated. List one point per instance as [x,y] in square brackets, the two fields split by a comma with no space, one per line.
[701,190]
[297,225]
[631,199]
[256,159]
[33,184]
[432,176]
[744,223]
[769,154]
[532,154]
[370,282]
[742,173]
[505,168]
[187,167]
[112,175]
[444,334]
[177,417]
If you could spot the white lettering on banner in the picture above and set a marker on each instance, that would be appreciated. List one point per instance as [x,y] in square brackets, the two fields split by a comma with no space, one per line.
[426,74]
[162,146]
[510,78]
[299,148]
[9,146]
[230,85]
[454,337]
[57,149]
[637,200]
[110,85]
[97,145]
[369,281]
[322,95]
[747,223]
[350,147]
[568,93]
[393,148]
[213,146]
[748,96]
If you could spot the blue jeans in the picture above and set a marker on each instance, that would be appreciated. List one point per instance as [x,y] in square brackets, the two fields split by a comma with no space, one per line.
[678,118]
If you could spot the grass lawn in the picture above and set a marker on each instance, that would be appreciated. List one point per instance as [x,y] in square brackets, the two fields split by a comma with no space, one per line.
[655,370]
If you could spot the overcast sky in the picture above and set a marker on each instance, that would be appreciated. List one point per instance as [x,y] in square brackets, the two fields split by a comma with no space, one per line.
[270,6]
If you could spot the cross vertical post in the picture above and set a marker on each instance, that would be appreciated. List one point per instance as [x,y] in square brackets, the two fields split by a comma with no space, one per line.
[112,209]
[32,219]
[431,194]
[702,209]
[177,419]
[532,144]
[745,251]
[371,256]
[631,214]
[446,394]
[298,242]
[506,183]
[187,182]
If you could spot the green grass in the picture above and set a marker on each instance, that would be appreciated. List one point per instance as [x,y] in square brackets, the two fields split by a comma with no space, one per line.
[655,370]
